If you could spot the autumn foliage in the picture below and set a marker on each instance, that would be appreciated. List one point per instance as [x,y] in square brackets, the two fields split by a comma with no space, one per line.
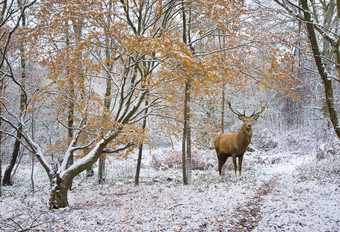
[101,64]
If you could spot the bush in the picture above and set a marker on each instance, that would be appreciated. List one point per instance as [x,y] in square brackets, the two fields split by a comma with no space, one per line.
[323,170]
[326,150]
[168,158]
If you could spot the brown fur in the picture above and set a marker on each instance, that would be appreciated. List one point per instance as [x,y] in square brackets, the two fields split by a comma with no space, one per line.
[234,145]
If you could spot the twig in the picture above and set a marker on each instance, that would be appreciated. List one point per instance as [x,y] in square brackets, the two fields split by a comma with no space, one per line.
[174,206]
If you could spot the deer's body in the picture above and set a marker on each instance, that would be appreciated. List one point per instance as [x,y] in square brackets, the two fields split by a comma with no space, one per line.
[235,144]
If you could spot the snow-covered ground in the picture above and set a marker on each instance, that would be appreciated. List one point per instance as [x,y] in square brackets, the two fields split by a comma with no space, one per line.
[278,191]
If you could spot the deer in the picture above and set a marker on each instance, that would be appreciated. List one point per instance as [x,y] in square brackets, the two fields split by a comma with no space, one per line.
[236,144]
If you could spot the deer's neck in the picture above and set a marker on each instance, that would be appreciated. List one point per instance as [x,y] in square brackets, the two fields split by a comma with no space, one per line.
[245,134]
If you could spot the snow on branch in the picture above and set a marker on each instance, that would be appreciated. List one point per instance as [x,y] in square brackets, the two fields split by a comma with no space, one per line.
[71,148]
[110,150]
[83,163]
[331,36]
[27,141]
[222,50]
[129,113]
[8,17]
[107,70]
[134,119]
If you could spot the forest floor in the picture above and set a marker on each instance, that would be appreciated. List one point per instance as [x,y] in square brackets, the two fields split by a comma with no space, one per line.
[278,191]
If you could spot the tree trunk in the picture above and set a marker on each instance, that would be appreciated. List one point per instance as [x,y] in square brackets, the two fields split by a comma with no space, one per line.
[140,149]
[32,174]
[325,77]
[184,159]
[336,53]
[61,181]
[2,12]
[89,172]
[186,142]
[139,162]
[188,135]
[1,112]
[222,113]
[0,162]
[70,104]
[59,191]
[8,172]
[107,100]
[32,158]
[101,170]
[185,135]
[0,157]
[70,123]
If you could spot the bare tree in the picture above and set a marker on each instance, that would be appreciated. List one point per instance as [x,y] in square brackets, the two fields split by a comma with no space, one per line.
[23,101]
[322,20]
[9,11]
[186,138]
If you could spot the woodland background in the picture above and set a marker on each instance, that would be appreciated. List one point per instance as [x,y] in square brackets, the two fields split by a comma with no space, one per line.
[84,82]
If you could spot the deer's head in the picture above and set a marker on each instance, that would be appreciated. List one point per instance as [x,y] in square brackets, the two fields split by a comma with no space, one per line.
[248,120]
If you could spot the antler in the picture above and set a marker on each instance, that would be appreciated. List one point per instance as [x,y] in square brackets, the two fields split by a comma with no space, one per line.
[261,109]
[235,112]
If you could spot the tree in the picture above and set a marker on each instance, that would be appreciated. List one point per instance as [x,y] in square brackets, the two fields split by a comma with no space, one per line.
[10,11]
[149,22]
[186,138]
[16,149]
[140,148]
[133,49]
[10,17]
[85,114]
[107,99]
[322,24]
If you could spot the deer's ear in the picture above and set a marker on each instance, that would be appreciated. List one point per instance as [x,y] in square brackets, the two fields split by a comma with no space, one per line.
[241,117]
[256,117]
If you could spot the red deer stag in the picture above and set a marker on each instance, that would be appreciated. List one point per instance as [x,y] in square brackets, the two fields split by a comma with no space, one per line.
[236,144]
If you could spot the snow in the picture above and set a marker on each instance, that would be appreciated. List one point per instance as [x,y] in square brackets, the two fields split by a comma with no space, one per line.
[278,191]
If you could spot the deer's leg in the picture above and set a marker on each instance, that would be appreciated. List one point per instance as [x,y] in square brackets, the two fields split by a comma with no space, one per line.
[222,158]
[240,159]
[235,165]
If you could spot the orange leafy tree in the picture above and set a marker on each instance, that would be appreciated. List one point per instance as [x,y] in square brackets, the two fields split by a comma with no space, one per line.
[69,40]
[227,43]
[99,62]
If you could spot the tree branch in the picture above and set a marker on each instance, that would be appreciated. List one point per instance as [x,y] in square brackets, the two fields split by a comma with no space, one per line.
[110,150]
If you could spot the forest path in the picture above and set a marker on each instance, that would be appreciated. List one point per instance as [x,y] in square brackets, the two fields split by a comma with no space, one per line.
[287,198]
[248,215]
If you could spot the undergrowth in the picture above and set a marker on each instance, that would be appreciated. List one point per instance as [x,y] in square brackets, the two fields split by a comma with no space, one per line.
[324,170]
